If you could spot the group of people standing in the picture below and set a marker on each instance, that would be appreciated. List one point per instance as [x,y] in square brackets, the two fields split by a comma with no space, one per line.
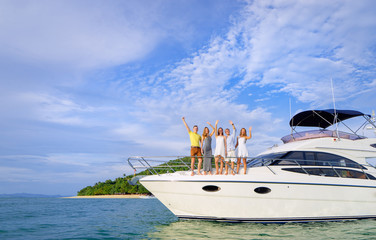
[225,149]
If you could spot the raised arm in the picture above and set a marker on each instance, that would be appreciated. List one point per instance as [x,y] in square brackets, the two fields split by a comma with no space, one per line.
[183,118]
[250,133]
[216,132]
[233,126]
[211,134]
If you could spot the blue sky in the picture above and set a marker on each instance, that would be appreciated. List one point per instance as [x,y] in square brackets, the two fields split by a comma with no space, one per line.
[86,84]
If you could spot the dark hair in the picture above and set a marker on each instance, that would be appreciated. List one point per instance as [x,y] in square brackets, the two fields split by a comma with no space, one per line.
[195,126]
[218,131]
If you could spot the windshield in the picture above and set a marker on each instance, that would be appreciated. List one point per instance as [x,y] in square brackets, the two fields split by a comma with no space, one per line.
[264,160]
[319,134]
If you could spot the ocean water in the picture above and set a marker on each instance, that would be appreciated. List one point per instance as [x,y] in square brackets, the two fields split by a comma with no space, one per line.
[61,218]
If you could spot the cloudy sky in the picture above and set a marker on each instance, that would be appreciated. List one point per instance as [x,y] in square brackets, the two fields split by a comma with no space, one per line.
[86,84]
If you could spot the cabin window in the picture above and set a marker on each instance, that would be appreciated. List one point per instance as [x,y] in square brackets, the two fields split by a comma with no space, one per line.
[373,145]
[211,188]
[315,159]
[330,172]
[371,161]
[265,160]
[291,158]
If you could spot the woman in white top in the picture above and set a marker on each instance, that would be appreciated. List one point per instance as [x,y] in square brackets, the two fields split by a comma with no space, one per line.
[220,148]
[242,148]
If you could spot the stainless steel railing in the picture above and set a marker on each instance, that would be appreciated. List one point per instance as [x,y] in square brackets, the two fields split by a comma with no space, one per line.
[170,164]
[166,164]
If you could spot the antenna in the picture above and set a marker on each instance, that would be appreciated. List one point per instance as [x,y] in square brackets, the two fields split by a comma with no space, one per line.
[334,105]
[292,129]
[373,119]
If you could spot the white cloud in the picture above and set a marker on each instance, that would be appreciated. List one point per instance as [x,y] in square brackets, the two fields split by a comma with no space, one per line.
[300,45]
[293,46]
[59,33]
[16,174]
[271,48]
[62,168]
[52,108]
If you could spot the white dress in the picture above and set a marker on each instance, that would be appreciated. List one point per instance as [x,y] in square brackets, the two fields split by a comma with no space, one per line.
[219,146]
[242,148]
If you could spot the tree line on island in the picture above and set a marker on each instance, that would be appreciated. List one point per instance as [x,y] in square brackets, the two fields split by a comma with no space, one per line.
[128,185]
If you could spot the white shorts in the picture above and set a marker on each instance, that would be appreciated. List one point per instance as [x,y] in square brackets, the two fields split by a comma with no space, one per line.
[231,156]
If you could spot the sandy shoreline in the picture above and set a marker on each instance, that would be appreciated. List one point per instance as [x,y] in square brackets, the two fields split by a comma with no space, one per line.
[111,196]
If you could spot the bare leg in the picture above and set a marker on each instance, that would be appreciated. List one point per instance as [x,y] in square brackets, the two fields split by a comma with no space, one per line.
[245,165]
[226,167]
[232,166]
[216,165]
[221,165]
[193,166]
[199,166]
[238,165]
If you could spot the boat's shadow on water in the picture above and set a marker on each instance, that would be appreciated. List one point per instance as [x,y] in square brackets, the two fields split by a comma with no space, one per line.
[192,229]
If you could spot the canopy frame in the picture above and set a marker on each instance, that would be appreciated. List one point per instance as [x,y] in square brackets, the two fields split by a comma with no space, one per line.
[322,119]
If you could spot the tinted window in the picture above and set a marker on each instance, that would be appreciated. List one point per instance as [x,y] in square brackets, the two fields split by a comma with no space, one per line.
[315,159]
[328,159]
[330,172]
[264,159]
[289,159]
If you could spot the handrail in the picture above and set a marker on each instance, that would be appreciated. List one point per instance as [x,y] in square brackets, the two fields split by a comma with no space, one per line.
[154,164]
[335,170]
[163,164]
[301,167]
[149,166]
[268,167]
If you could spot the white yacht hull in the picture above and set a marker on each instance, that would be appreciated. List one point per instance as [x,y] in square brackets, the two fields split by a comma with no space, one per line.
[314,199]
[318,175]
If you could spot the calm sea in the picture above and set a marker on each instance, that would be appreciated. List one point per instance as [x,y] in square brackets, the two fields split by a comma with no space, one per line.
[61,218]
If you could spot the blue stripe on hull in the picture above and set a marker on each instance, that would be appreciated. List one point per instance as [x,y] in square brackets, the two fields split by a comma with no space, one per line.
[279,220]
[262,182]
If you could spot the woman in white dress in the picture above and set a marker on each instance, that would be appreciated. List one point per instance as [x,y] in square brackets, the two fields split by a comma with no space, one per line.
[220,148]
[242,148]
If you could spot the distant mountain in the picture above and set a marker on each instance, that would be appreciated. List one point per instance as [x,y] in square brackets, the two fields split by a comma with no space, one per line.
[28,195]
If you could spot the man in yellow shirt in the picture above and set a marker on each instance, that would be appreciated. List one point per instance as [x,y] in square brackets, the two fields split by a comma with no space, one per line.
[195,147]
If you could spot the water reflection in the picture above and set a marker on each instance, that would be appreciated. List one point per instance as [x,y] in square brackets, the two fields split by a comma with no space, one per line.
[190,229]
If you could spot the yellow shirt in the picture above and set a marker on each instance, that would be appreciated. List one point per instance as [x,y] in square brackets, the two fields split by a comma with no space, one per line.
[195,139]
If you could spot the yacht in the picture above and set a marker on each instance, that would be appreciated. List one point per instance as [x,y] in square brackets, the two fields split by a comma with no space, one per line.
[315,175]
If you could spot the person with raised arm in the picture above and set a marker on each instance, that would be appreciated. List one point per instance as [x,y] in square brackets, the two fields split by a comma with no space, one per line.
[195,147]
[231,143]
[242,150]
[220,148]
[206,149]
